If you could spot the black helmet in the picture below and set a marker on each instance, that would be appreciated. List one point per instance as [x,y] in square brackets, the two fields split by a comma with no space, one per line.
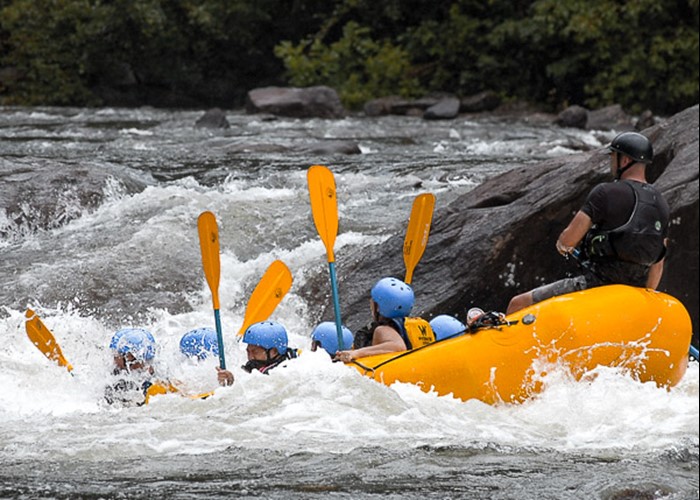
[634,145]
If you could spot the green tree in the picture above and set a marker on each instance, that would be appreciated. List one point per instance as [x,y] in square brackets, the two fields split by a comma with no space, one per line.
[639,53]
[76,51]
[357,66]
[45,43]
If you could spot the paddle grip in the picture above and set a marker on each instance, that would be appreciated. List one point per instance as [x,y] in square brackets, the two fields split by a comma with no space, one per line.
[219,339]
[336,306]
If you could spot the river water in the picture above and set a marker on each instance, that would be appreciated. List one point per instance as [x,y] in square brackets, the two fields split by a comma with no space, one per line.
[128,255]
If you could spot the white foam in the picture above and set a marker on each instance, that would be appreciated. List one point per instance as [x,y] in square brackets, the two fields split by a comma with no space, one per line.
[323,406]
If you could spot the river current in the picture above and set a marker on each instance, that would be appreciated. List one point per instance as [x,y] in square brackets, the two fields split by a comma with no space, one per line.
[129,256]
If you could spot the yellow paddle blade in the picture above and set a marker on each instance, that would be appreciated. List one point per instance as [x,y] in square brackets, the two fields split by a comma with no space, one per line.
[44,340]
[417,232]
[158,388]
[203,395]
[165,387]
[324,205]
[271,289]
[209,244]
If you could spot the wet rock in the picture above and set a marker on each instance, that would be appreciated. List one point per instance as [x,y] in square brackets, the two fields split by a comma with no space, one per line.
[316,148]
[574,116]
[412,107]
[609,118]
[50,195]
[294,102]
[331,148]
[213,118]
[445,109]
[381,106]
[645,120]
[478,103]
[394,105]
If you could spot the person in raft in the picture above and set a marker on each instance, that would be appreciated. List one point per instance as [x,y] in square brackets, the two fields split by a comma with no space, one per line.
[391,330]
[201,343]
[325,336]
[445,326]
[620,233]
[267,347]
[133,350]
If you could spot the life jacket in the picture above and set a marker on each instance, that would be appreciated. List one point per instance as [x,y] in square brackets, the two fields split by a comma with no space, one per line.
[415,332]
[419,332]
[128,391]
[624,254]
[640,240]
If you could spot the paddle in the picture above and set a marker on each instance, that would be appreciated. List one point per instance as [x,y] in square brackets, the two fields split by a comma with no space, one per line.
[269,291]
[324,207]
[209,244]
[44,340]
[165,387]
[417,232]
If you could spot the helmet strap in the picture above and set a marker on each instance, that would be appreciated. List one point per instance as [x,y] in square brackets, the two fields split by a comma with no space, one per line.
[621,170]
[260,365]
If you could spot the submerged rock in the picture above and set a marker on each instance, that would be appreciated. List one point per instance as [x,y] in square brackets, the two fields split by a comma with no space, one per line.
[213,118]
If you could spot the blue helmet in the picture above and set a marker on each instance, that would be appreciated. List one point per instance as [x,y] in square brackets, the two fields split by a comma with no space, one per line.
[394,297]
[445,326]
[326,334]
[267,334]
[200,343]
[137,341]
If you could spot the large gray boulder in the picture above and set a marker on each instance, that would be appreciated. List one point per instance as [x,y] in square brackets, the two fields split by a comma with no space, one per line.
[444,109]
[498,239]
[295,102]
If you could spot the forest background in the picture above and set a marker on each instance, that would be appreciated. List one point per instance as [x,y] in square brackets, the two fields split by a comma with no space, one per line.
[642,54]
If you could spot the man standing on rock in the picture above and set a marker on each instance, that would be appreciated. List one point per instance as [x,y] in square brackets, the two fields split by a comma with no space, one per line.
[620,233]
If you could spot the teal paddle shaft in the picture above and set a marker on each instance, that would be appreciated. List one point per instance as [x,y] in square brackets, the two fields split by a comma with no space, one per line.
[694,352]
[336,306]
[219,339]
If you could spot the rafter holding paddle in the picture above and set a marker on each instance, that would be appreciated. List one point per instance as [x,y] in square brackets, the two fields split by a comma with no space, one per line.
[324,207]
[209,245]
[417,232]
[44,340]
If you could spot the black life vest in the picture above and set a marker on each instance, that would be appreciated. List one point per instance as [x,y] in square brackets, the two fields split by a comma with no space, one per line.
[269,364]
[127,392]
[415,332]
[640,240]
[625,253]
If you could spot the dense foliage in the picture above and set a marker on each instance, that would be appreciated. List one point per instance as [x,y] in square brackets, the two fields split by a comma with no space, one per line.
[639,53]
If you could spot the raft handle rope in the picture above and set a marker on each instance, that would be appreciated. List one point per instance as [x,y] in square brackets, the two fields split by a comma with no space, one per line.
[489,320]
[367,369]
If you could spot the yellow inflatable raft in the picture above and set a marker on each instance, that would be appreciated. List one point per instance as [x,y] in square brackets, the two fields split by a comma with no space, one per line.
[640,330]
